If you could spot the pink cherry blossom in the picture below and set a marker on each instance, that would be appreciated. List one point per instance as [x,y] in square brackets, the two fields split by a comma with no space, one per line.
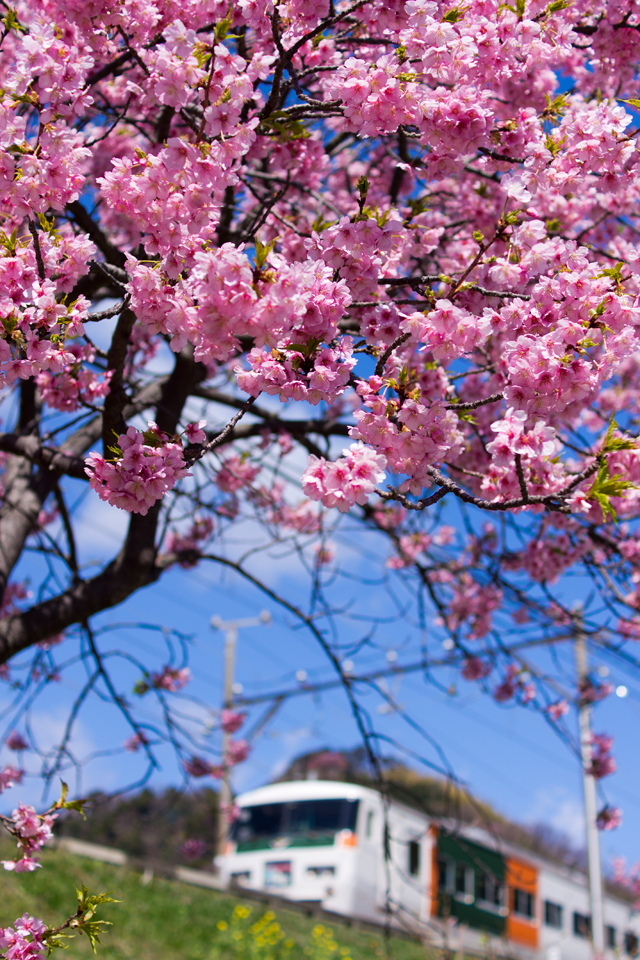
[609,818]
[171,679]
[232,720]
[15,741]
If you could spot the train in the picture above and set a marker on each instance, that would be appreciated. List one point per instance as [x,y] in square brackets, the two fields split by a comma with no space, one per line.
[346,849]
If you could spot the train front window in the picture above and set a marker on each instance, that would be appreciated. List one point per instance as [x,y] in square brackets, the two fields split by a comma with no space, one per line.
[258,822]
[319,816]
[295,820]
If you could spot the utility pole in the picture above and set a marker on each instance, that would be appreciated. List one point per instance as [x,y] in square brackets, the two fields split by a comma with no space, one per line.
[590,802]
[231,630]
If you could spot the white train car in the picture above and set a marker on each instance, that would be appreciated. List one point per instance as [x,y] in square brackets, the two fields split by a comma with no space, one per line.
[323,842]
[336,845]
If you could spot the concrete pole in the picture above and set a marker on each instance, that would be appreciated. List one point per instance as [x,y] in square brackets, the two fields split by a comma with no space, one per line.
[590,805]
[231,630]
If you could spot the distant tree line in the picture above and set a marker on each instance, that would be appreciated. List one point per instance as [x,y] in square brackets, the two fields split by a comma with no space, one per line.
[169,825]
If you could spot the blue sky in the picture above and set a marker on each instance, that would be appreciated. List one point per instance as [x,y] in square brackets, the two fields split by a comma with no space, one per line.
[505,754]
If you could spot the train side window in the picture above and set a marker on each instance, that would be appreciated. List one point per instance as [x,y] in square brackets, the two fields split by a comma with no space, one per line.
[488,889]
[464,883]
[553,915]
[368,828]
[581,926]
[414,858]
[445,875]
[610,937]
[631,944]
[522,903]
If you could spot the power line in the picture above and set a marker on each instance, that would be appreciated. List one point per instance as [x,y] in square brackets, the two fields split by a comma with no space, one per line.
[388,671]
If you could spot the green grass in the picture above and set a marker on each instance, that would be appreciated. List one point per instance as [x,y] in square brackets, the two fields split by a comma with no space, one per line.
[168,920]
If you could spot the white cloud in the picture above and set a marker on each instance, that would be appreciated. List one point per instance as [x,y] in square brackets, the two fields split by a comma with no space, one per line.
[559,808]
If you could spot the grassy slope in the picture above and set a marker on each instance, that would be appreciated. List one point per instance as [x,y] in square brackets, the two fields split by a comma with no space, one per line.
[163,920]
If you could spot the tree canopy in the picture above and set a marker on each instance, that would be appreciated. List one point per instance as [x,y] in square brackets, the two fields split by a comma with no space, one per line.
[262,265]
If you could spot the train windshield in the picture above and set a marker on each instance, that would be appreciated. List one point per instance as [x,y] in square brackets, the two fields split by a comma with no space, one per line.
[295,820]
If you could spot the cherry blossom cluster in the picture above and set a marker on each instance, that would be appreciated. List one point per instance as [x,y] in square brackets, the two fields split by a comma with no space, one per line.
[232,720]
[236,473]
[9,776]
[187,545]
[25,940]
[609,818]
[302,517]
[590,691]
[145,468]
[409,435]
[77,384]
[558,710]
[15,741]
[411,545]
[602,763]
[32,830]
[360,251]
[222,300]
[474,668]
[628,877]
[346,481]
[171,678]
[546,559]
[515,683]
[237,752]
[473,604]
[34,340]
[291,375]
[193,848]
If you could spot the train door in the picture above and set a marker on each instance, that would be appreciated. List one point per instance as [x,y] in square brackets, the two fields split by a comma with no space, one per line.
[411,867]
[370,855]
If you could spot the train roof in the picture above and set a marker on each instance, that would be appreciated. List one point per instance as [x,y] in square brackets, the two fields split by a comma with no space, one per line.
[305,790]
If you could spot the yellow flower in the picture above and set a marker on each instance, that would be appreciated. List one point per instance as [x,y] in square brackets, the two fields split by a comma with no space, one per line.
[222,925]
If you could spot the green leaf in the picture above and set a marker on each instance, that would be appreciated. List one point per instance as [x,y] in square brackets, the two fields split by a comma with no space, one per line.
[557,6]
[363,190]
[607,486]
[56,941]
[554,146]
[77,805]
[263,250]
[222,28]
[10,323]
[93,929]
[12,22]
[632,102]
[513,217]
[519,7]
[320,224]
[455,14]
[284,130]
[612,442]
[307,349]
[555,107]
[614,272]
